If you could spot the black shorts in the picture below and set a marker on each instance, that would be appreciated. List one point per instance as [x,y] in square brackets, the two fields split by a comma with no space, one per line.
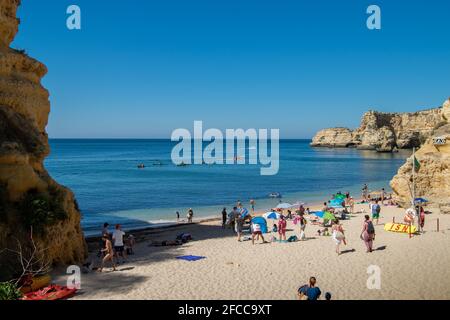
[118,248]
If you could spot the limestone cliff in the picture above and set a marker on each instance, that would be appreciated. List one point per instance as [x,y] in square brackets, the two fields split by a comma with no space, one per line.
[432,180]
[383,132]
[28,195]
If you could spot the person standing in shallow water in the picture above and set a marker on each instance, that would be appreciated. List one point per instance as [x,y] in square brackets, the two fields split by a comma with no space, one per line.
[368,233]
[252,205]
[190,215]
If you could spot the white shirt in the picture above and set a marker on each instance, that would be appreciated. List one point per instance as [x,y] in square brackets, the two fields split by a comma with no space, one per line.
[256,227]
[118,237]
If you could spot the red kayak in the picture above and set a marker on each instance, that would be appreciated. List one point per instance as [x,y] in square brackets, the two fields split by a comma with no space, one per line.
[53,292]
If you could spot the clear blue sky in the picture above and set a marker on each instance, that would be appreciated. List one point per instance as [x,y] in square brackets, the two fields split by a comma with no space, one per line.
[141,68]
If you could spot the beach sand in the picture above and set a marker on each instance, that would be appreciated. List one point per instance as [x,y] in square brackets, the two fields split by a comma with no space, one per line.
[416,268]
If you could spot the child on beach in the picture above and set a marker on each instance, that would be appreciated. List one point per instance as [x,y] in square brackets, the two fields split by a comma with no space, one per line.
[282,228]
[256,232]
[274,228]
[108,252]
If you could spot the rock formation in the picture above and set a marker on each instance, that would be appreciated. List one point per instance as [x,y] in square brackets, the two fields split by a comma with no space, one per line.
[432,179]
[383,132]
[29,197]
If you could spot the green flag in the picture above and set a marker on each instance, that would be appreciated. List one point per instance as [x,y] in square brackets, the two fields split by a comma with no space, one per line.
[416,164]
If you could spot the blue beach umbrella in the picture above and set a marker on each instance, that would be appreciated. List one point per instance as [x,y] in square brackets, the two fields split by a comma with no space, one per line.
[420,200]
[271,215]
[244,212]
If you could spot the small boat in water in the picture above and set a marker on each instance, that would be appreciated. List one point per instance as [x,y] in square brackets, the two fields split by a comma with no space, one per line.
[141,166]
[274,195]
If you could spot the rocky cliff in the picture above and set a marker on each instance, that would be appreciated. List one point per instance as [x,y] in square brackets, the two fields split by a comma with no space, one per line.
[432,179]
[383,132]
[29,197]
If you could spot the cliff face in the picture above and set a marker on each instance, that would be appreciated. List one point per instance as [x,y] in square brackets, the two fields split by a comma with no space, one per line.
[383,132]
[28,195]
[432,180]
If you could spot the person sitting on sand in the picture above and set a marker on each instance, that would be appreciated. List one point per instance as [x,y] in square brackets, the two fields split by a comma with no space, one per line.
[256,232]
[323,232]
[274,228]
[282,228]
[309,291]
[108,252]
[289,214]
[307,211]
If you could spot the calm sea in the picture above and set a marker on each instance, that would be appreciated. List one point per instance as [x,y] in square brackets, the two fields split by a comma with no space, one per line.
[109,186]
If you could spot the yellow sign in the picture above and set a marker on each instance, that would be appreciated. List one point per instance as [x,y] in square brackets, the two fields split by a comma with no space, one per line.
[399,227]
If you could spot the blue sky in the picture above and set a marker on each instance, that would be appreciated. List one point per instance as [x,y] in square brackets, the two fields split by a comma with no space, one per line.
[142,68]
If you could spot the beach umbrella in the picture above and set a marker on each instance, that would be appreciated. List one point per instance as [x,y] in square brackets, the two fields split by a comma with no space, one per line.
[420,200]
[328,216]
[318,213]
[284,205]
[243,212]
[271,215]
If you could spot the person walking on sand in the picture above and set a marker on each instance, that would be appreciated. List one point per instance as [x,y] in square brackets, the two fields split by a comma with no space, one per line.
[309,291]
[238,225]
[302,222]
[383,196]
[368,233]
[338,235]
[190,215]
[117,237]
[282,228]
[375,209]
[108,253]
[224,218]
[256,232]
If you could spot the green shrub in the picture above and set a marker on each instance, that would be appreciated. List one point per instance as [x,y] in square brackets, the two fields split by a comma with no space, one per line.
[39,210]
[9,291]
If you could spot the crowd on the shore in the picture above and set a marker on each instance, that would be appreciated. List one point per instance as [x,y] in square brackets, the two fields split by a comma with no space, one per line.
[334,211]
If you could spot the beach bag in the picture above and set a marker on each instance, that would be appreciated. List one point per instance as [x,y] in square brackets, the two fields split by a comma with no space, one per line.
[339,235]
[292,239]
[370,228]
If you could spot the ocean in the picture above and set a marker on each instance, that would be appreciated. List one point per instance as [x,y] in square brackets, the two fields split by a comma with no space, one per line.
[109,187]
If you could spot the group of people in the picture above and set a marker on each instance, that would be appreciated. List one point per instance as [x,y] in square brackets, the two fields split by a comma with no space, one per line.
[189,215]
[113,246]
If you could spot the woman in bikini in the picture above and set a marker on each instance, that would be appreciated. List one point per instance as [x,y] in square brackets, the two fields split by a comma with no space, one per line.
[108,252]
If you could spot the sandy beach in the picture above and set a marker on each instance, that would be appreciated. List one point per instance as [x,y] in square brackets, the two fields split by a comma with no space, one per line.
[416,268]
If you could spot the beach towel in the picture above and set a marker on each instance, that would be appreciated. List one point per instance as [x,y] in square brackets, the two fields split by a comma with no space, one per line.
[190,258]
